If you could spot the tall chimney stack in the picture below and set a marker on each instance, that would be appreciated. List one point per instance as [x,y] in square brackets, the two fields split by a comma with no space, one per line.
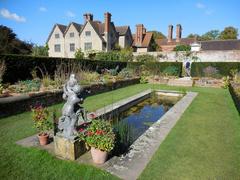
[107,21]
[140,30]
[88,17]
[178,33]
[170,32]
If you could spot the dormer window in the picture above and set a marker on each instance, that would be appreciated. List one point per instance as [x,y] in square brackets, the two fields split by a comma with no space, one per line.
[87,33]
[71,34]
[57,36]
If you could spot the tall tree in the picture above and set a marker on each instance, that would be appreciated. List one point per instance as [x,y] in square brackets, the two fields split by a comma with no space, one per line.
[10,44]
[229,33]
[198,37]
[158,35]
[40,50]
[210,35]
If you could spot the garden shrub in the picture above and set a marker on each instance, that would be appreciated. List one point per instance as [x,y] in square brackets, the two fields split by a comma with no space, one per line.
[171,71]
[224,68]
[182,47]
[79,54]
[146,58]
[210,71]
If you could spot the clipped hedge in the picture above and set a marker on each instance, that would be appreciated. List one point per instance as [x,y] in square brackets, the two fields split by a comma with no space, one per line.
[222,67]
[157,67]
[19,67]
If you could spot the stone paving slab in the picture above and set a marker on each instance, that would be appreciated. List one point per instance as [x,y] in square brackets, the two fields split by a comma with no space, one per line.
[141,151]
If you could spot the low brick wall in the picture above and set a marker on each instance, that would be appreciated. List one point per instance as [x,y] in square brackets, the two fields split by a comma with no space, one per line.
[18,104]
[234,89]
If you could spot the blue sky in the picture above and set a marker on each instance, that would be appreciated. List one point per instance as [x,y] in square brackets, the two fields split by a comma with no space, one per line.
[32,20]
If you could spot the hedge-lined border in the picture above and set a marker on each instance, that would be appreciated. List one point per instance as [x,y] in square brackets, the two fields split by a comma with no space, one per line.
[235,95]
[223,68]
[19,67]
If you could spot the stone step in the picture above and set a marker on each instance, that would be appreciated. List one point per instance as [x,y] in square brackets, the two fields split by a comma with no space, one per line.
[180,82]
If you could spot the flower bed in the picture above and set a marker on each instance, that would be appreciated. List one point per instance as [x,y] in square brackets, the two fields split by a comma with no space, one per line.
[17,104]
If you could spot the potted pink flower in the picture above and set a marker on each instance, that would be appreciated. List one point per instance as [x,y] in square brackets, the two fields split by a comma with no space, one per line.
[40,116]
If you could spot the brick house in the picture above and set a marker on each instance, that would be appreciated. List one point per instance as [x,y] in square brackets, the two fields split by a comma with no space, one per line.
[142,39]
[63,40]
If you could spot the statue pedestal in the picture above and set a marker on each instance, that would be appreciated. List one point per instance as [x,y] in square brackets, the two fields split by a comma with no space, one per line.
[67,148]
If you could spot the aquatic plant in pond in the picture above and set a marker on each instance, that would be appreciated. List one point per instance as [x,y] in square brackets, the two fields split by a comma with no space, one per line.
[132,123]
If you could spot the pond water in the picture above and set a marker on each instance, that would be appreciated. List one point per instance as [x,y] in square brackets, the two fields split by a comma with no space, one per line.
[133,122]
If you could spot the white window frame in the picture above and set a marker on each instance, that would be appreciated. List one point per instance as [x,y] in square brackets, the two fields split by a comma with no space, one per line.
[87,33]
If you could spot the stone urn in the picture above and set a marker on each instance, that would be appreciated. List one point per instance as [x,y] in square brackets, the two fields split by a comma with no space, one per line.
[43,139]
[98,156]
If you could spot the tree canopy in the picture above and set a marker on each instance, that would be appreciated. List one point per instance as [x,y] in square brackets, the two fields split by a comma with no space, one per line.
[10,44]
[229,33]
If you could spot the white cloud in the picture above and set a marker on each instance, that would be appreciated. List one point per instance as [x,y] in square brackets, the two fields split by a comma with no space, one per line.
[200,5]
[43,9]
[13,16]
[70,14]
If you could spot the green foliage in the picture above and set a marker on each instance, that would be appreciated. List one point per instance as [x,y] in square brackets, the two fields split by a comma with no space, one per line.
[210,35]
[226,82]
[26,86]
[122,55]
[223,68]
[146,58]
[126,73]
[40,50]
[10,44]
[153,68]
[158,35]
[124,133]
[171,71]
[40,117]
[143,80]
[1,88]
[182,47]
[79,55]
[100,135]
[229,33]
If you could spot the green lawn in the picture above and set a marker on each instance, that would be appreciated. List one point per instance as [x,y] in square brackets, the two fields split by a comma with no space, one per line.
[204,144]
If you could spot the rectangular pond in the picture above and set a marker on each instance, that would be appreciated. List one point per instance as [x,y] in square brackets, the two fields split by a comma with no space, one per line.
[130,124]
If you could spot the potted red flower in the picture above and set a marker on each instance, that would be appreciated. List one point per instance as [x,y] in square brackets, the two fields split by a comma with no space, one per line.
[40,116]
[101,138]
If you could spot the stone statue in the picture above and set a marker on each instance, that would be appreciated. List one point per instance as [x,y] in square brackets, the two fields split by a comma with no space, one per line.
[73,114]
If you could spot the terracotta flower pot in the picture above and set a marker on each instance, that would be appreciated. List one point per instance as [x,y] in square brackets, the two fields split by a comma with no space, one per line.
[98,156]
[43,139]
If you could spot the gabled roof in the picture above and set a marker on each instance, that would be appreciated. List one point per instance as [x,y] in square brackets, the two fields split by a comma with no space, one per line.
[122,30]
[233,44]
[77,26]
[60,26]
[95,25]
[146,39]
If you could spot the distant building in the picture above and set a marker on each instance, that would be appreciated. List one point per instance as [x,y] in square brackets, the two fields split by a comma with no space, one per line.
[169,44]
[63,40]
[220,45]
[142,39]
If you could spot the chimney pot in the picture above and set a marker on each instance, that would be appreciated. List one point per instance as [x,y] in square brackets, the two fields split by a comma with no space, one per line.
[88,17]
[178,33]
[170,32]
[140,30]
[107,16]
